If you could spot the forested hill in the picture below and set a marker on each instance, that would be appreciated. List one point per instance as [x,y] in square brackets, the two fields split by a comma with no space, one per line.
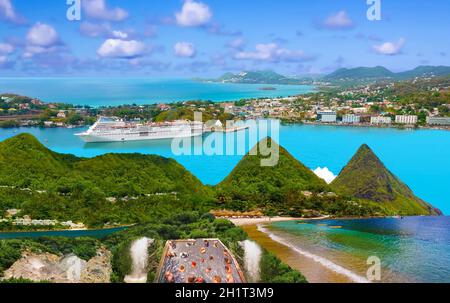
[365,177]
[26,163]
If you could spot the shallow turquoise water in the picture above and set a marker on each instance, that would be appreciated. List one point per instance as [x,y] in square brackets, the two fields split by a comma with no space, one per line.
[420,158]
[118,91]
[415,249]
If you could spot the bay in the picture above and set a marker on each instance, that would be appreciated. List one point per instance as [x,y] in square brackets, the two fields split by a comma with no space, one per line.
[97,92]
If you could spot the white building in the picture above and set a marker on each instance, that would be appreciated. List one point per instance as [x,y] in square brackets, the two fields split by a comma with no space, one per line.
[327,116]
[438,120]
[351,119]
[404,119]
[380,120]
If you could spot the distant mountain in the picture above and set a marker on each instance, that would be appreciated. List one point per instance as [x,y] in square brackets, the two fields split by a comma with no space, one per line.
[256,77]
[360,73]
[365,177]
[250,185]
[382,73]
[425,72]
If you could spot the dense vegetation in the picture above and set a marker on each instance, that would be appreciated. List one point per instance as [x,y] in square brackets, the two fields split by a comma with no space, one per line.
[121,188]
[289,189]
[365,177]
[179,224]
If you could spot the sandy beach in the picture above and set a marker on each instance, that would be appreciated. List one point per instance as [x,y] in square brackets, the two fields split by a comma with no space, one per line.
[314,271]
[261,220]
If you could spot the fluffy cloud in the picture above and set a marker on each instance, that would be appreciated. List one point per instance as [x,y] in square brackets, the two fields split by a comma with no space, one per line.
[104,30]
[325,174]
[272,52]
[6,48]
[118,48]
[338,21]
[41,38]
[193,14]
[390,48]
[184,49]
[97,9]
[43,35]
[8,12]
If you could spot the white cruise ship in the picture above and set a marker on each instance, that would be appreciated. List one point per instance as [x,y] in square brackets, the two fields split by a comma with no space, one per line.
[116,130]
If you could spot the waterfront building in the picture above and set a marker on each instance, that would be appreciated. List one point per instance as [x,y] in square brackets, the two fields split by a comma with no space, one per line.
[350,119]
[327,116]
[405,119]
[438,120]
[380,120]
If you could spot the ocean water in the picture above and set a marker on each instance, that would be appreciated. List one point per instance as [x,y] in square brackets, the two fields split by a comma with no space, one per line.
[413,249]
[418,157]
[118,91]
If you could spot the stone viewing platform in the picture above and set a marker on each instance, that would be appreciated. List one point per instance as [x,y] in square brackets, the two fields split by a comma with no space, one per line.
[198,261]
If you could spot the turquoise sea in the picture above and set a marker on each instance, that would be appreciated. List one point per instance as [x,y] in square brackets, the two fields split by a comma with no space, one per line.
[419,157]
[97,92]
[413,249]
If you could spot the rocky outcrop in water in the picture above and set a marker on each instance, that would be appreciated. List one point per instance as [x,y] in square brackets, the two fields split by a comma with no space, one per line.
[62,269]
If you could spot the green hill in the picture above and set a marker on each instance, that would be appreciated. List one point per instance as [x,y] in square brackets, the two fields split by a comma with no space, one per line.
[25,162]
[425,71]
[120,188]
[365,177]
[251,186]
[257,77]
[360,73]
[381,73]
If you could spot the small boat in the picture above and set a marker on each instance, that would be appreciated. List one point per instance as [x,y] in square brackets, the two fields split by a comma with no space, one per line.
[336,227]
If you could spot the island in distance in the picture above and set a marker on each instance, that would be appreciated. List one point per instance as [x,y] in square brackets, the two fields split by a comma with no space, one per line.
[342,75]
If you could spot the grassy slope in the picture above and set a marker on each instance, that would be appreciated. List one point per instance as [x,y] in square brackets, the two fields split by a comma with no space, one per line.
[26,162]
[249,181]
[366,177]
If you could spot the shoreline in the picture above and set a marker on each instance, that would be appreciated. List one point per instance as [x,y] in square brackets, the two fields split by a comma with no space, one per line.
[315,268]
[314,271]
[261,220]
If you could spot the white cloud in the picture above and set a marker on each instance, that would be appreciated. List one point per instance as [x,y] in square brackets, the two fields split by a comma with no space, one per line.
[325,174]
[193,14]
[43,35]
[184,49]
[6,49]
[41,38]
[97,9]
[120,35]
[272,52]
[338,21]
[117,48]
[8,12]
[390,48]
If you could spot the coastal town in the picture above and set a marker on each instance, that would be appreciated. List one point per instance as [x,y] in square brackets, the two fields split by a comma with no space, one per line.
[421,103]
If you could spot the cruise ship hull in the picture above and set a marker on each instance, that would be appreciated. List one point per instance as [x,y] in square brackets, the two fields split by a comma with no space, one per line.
[119,131]
[93,138]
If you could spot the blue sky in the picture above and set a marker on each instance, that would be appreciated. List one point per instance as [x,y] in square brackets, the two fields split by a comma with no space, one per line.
[189,38]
